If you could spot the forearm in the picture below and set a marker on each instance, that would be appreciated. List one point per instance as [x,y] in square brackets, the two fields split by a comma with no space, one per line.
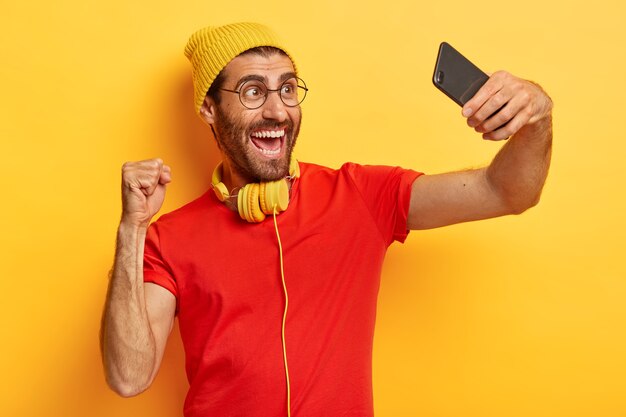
[127,342]
[518,172]
[505,106]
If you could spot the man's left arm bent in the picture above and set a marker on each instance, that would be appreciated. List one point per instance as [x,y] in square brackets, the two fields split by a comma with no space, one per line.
[506,106]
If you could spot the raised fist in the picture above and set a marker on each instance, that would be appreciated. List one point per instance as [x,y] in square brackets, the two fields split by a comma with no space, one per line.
[143,190]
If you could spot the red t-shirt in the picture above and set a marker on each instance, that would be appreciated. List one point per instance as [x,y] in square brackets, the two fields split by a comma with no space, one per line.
[225,274]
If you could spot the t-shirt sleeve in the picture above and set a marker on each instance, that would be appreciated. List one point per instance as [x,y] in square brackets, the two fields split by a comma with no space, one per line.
[386,191]
[155,268]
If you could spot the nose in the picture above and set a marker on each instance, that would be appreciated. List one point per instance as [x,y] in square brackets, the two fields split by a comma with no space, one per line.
[274,108]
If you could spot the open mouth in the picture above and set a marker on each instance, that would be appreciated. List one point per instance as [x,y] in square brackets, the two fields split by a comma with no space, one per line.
[268,142]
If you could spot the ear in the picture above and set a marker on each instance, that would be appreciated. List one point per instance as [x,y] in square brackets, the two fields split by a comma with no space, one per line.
[208,110]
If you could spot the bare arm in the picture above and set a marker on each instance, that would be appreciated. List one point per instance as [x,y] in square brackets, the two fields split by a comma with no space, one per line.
[137,317]
[512,183]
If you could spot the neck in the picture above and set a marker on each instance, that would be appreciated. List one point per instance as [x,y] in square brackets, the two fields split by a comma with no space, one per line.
[231,178]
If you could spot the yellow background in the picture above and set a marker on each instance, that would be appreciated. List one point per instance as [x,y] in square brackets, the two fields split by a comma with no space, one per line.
[519,316]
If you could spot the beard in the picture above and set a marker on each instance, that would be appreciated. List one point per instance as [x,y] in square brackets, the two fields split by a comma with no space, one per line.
[233,135]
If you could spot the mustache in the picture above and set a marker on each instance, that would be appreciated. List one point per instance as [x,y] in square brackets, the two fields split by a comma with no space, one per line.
[269,124]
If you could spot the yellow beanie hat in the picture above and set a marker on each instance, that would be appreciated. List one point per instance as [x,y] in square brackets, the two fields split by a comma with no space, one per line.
[210,49]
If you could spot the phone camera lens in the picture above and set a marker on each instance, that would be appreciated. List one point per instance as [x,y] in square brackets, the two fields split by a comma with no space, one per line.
[439,77]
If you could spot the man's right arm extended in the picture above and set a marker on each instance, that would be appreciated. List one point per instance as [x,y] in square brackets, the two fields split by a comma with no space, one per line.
[137,317]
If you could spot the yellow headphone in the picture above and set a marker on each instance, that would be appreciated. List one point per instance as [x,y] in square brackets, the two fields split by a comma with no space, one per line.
[256,200]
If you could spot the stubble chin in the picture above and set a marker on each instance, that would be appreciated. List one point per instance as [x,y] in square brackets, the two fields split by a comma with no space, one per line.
[263,169]
[235,144]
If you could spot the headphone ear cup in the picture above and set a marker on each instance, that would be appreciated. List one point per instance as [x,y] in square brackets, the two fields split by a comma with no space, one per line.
[254,209]
[220,191]
[248,204]
[274,194]
[262,199]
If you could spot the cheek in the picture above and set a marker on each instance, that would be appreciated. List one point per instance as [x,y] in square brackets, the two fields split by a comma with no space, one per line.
[244,126]
[236,126]
[296,116]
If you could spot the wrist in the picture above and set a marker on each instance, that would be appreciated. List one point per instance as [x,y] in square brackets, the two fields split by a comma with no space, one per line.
[540,129]
[130,226]
[544,111]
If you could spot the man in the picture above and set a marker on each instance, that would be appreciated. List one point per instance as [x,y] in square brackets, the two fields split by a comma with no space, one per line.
[228,279]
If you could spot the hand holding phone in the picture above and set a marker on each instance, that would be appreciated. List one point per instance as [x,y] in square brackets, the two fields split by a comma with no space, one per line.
[456,76]
[509,104]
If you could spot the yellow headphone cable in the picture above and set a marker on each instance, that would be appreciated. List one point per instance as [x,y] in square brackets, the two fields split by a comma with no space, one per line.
[282,275]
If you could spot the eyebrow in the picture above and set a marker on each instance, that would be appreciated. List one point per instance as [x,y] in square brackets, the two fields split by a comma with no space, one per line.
[254,77]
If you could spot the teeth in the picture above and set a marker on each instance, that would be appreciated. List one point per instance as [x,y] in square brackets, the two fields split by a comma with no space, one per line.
[268,152]
[269,134]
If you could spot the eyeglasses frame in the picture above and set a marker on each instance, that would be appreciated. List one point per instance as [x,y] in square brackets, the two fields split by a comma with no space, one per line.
[269,90]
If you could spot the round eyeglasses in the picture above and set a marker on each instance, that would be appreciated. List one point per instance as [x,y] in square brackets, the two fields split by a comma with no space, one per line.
[253,93]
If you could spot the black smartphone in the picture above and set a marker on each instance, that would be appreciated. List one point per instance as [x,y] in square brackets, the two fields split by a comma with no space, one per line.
[456,76]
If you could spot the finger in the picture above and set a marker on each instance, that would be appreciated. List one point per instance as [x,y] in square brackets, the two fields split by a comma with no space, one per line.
[129,168]
[154,171]
[509,129]
[501,117]
[494,105]
[491,87]
[166,175]
[145,183]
